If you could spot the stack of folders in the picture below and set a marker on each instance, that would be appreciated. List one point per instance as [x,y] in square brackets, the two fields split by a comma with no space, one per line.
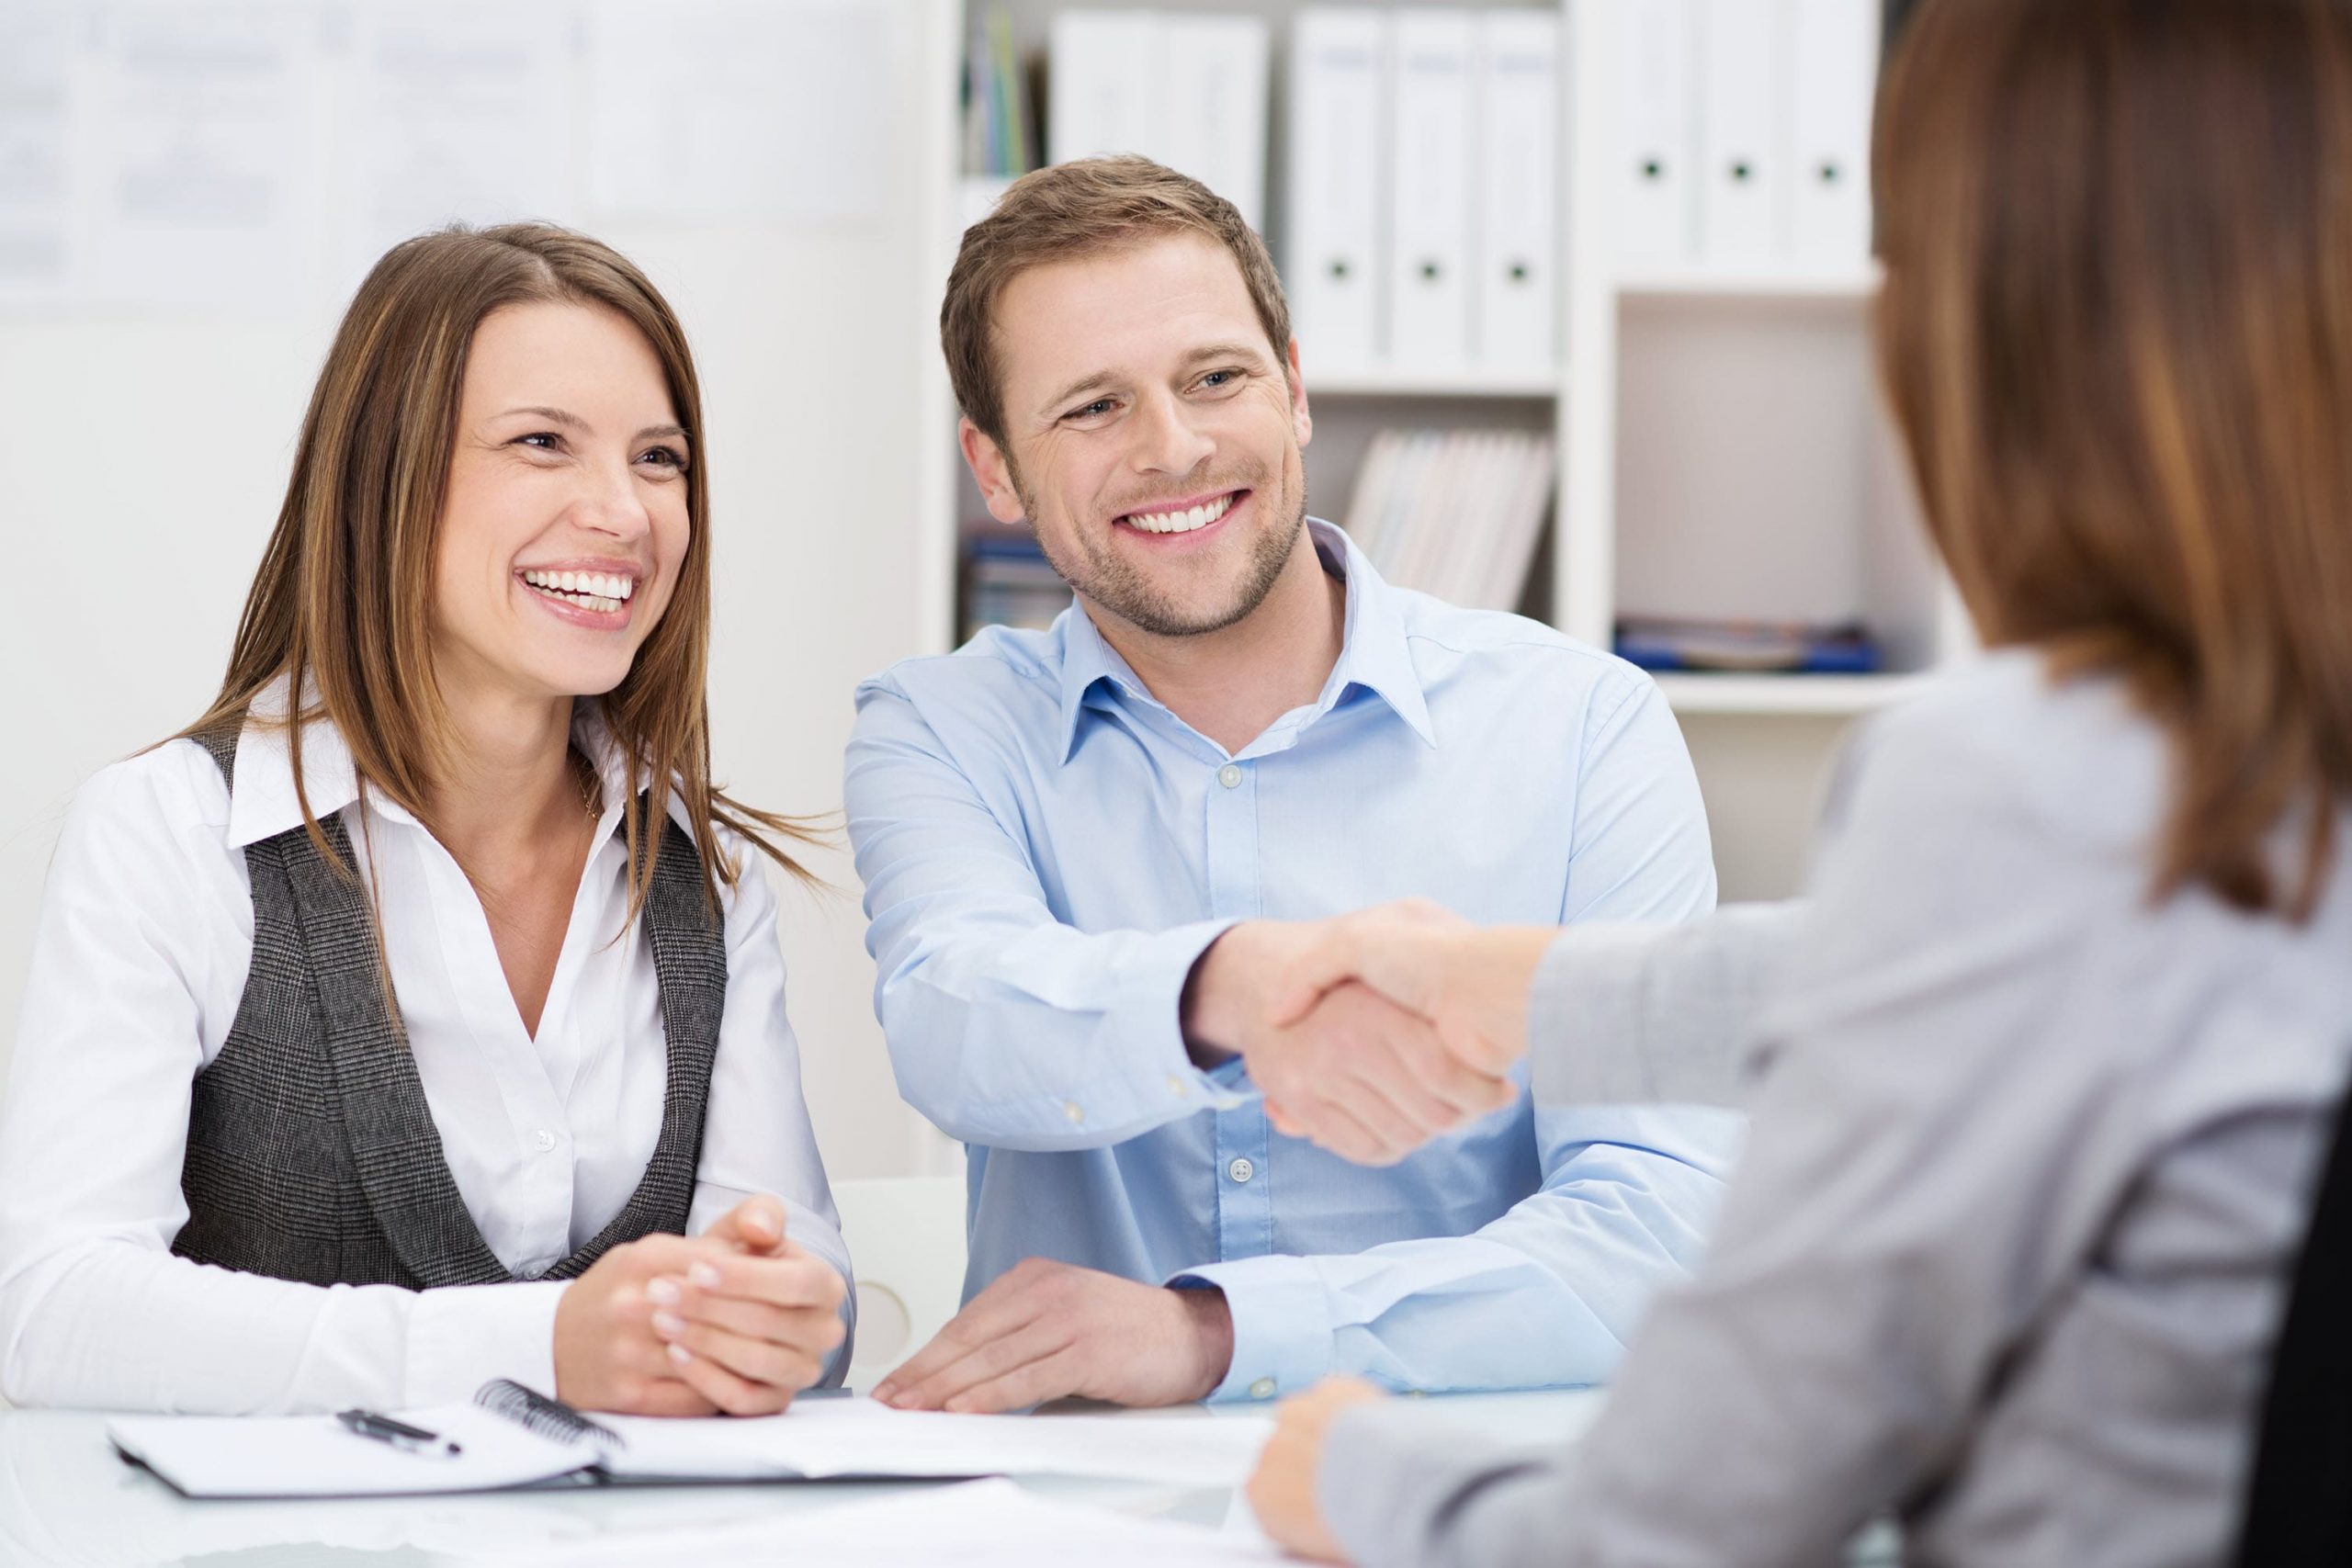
[1421,229]
[1007,582]
[997,134]
[1742,132]
[1187,88]
[1456,514]
[1666,644]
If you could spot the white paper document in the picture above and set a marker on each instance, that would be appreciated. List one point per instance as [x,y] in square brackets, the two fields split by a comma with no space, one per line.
[820,1437]
[312,1456]
[736,111]
[981,1523]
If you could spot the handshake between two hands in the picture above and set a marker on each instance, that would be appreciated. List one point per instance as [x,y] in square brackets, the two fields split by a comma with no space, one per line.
[1369,1033]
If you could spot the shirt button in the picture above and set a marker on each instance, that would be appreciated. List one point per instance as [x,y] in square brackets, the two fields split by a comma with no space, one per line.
[545,1141]
[1229,776]
[1240,1170]
[1262,1389]
[1072,1110]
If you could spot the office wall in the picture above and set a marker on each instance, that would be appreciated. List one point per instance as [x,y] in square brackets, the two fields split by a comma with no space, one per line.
[151,452]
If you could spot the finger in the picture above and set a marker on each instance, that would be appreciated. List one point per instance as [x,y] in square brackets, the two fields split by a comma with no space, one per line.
[731,1393]
[756,1223]
[663,1253]
[1399,1053]
[1330,960]
[1392,1134]
[1425,912]
[1413,1069]
[1333,1126]
[996,1312]
[1437,1072]
[754,1361]
[1282,1120]
[1050,1377]
[809,1328]
[948,1388]
[790,1282]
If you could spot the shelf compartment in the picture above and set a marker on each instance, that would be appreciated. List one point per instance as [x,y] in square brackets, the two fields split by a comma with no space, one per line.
[1825,696]
[1434,384]
[1835,285]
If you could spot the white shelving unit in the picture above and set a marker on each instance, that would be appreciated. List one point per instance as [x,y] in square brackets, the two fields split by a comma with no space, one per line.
[1409,384]
[1722,456]
[1725,455]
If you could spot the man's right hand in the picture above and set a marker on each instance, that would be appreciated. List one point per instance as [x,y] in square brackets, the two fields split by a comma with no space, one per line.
[1471,982]
[1354,1072]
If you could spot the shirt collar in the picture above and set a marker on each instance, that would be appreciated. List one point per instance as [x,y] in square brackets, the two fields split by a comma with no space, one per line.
[1087,660]
[1373,652]
[263,803]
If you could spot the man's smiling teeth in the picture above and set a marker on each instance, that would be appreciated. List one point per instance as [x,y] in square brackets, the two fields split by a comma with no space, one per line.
[601,592]
[1179,521]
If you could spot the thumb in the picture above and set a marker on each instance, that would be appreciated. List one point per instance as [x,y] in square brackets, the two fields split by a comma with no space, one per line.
[756,1224]
[1327,962]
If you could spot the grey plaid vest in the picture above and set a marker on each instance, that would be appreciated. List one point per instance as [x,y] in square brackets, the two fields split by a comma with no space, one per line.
[311,1153]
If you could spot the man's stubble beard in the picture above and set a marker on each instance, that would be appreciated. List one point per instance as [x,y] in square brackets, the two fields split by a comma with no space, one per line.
[1119,588]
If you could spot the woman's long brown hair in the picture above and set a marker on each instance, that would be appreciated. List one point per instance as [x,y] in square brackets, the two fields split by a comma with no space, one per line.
[343,602]
[2117,331]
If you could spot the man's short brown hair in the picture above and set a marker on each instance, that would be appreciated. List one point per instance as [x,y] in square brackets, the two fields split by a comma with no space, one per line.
[1073,211]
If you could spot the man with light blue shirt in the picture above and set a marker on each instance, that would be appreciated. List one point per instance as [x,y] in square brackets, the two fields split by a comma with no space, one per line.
[1090,854]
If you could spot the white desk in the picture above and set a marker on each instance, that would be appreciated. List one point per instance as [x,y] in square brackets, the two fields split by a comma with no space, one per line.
[66,1500]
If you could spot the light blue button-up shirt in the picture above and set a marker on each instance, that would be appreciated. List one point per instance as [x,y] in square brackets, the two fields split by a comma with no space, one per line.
[1047,850]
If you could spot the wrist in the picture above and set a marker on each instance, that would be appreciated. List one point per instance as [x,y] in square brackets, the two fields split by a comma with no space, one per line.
[1215,1012]
[1210,1319]
[1506,963]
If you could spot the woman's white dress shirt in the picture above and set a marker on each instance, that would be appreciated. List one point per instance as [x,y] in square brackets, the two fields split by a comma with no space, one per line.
[139,963]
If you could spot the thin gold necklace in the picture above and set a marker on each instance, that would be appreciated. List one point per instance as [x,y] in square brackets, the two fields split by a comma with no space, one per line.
[583,775]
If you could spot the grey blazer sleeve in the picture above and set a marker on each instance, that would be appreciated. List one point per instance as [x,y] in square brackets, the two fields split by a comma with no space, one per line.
[1658,1013]
[1396,1499]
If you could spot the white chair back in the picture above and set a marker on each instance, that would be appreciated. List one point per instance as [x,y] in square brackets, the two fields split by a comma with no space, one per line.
[906,1248]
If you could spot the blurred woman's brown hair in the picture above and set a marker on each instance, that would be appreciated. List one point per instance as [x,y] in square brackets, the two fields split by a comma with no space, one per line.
[2117,331]
[344,598]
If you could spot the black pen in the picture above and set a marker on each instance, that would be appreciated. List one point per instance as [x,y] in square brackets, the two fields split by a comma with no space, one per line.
[399,1434]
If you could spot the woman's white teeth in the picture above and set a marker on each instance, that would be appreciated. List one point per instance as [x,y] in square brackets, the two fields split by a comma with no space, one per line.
[1180,522]
[599,591]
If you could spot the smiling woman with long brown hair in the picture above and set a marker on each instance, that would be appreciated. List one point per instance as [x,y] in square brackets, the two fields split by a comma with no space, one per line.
[2054,1056]
[394,1026]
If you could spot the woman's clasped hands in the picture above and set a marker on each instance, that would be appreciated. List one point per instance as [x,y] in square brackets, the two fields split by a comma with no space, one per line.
[736,1321]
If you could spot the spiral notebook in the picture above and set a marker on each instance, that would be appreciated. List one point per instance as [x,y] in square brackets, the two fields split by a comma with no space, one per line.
[511,1437]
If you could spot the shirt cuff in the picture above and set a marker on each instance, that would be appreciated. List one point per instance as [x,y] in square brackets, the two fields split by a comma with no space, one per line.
[461,1337]
[1138,1074]
[1157,1011]
[1282,1324]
